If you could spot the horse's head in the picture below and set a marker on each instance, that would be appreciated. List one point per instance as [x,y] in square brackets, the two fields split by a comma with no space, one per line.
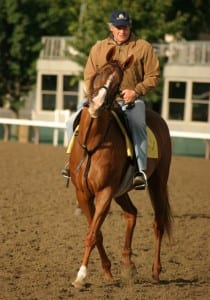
[105,83]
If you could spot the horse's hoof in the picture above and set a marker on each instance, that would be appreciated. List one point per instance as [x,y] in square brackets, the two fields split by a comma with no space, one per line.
[108,276]
[129,272]
[156,273]
[155,279]
[78,284]
[78,212]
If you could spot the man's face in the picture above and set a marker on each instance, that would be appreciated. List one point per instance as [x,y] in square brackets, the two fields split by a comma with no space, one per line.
[120,33]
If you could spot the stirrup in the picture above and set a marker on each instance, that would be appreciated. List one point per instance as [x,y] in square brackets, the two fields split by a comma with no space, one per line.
[66,174]
[140,187]
[143,185]
[67,181]
[68,178]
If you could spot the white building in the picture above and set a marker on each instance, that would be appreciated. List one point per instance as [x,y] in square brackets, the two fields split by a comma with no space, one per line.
[57,87]
[186,93]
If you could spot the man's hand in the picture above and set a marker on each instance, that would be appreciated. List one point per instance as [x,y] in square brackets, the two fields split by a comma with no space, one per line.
[129,96]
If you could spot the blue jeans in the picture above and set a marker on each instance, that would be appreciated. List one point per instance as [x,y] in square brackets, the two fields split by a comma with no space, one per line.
[137,123]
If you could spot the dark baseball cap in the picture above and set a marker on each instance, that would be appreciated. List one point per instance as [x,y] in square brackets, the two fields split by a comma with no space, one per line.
[120,18]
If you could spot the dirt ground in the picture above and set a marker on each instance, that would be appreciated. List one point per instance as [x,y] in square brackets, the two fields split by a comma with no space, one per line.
[42,239]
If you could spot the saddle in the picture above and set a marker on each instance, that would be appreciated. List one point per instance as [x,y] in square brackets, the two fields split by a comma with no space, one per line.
[152,147]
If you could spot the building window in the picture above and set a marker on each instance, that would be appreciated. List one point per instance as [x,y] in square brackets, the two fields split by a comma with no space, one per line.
[48,92]
[59,92]
[200,101]
[70,92]
[176,97]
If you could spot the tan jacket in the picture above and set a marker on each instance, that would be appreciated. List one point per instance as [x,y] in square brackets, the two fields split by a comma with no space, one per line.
[142,76]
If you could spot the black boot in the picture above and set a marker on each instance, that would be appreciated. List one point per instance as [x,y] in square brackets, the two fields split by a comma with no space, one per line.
[140,181]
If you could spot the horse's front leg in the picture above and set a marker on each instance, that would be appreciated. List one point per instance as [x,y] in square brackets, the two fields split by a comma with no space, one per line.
[105,262]
[102,205]
[130,213]
[95,216]
[85,203]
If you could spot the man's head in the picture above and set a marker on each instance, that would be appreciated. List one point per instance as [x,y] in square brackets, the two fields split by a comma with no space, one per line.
[120,26]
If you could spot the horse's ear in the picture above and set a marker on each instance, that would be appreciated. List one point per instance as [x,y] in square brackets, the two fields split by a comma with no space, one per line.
[110,54]
[128,62]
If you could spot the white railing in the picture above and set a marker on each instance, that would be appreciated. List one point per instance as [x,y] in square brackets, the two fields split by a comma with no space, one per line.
[189,53]
[180,52]
[62,125]
[35,124]
[55,47]
[191,135]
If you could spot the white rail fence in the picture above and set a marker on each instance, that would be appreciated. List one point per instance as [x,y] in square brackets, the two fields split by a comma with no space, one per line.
[56,125]
[35,124]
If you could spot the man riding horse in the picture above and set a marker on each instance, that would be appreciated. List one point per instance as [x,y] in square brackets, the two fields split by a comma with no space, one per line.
[138,80]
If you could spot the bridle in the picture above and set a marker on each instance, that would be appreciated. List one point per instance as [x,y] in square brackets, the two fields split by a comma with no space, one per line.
[108,101]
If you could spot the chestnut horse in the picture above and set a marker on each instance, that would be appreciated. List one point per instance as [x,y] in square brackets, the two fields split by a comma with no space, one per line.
[98,162]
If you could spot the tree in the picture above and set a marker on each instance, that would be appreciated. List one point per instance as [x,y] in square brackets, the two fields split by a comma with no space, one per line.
[196,14]
[152,19]
[22,24]
[148,23]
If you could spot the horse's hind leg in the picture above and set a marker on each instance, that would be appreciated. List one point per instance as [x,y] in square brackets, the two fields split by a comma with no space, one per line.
[162,221]
[130,213]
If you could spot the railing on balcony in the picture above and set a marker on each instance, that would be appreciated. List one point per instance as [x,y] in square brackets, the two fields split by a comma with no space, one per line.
[184,52]
[189,53]
[55,47]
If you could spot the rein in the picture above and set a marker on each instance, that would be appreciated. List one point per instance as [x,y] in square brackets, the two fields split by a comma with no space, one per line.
[89,152]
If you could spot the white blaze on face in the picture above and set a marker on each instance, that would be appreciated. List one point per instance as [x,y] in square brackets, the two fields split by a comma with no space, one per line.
[98,100]
[109,80]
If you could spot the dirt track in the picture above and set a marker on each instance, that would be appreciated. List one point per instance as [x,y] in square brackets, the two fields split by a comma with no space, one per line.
[42,240]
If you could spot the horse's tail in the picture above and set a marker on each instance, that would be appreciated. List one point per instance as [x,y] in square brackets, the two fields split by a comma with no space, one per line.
[160,201]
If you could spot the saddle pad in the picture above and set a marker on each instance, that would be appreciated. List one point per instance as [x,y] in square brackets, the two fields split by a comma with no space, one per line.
[152,146]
